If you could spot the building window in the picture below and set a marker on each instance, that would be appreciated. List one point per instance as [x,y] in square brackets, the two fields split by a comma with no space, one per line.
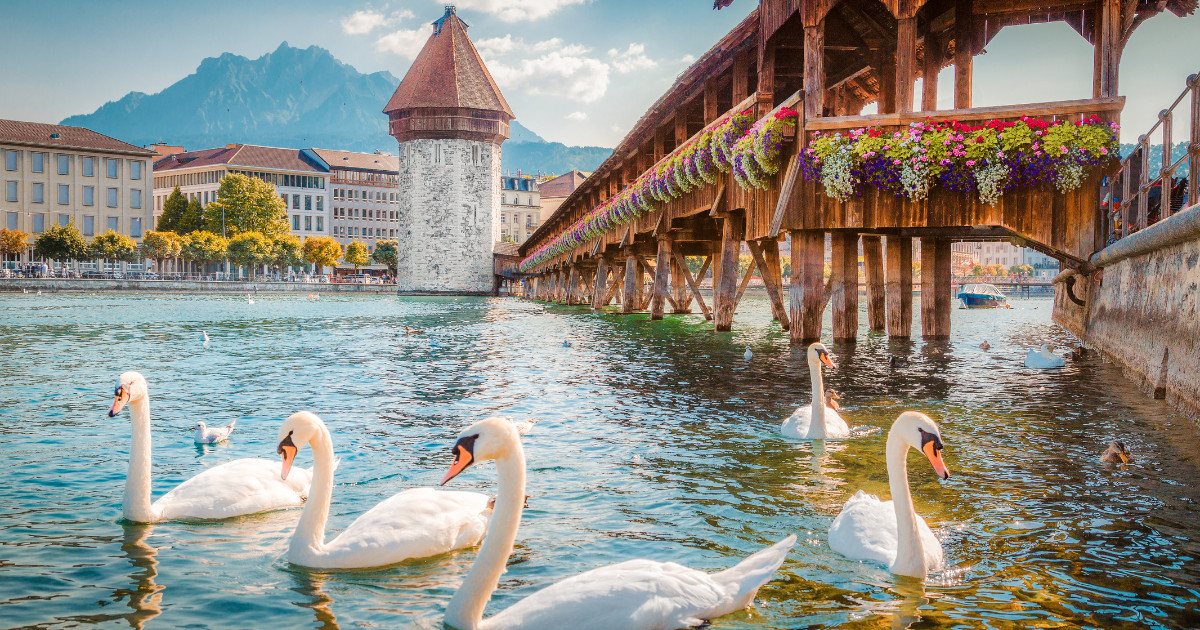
[89,226]
[11,220]
[89,195]
[64,165]
[114,223]
[39,223]
[10,160]
[113,166]
[39,162]
[89,167]
[112,197]
[135,169]
[503,198]
[39,192]
[320,224]
[295,202]
[308,203]
[504,217]
[64,194]
[135,228]
[296,222]
[320,204]
[307,224]
[135,199]
[10,191]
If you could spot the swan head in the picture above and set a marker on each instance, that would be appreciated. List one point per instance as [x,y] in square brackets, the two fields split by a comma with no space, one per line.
[490,438]
[817,354]
[919,431]
[298,430]
[131,386]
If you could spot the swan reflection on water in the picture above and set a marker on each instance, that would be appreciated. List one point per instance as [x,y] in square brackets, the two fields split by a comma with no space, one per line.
[144,596]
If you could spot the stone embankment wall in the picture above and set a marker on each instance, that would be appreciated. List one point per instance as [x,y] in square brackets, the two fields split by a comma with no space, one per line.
[51,285]
[1142,310]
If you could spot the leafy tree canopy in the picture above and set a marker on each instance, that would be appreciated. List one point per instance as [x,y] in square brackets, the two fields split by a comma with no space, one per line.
[61,242]
[174,208]
[249,205]
[160,245]
[357,254]
[250,249]
[204,247]
[12,242]
[287,251]
[114,246]
[322,250]
[386,253]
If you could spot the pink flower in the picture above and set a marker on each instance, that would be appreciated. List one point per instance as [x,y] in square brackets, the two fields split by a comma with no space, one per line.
[1063,149]
[970,162]
[1103,151]
[1000,154]
[1037,152]
[896,162]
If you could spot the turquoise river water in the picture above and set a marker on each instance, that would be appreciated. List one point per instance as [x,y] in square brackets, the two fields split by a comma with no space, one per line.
[655,440]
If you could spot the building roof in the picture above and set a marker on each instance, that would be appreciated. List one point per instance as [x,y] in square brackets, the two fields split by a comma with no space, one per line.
[63,137]
[348,160]
[448,73]
[246,155]
[562,185]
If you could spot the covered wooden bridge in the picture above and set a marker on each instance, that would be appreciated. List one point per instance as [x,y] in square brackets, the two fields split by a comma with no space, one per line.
[823,61]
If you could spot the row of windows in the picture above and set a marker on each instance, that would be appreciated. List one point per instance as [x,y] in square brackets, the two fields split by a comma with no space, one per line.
[350,230]
[356,213]
[37,193]
[308,202]
[517,200]
[188,179]
[357,177]
[12,222]
[518,183]
[350,194]
[280,179]
[308,223]
[63,163]
[517,219]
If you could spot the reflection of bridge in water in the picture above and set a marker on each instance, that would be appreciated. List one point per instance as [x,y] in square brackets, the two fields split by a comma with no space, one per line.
[827,59]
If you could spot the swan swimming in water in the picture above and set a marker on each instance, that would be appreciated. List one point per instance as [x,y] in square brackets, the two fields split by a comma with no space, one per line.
[1042,358]
[206,435]
[816,421]
[414,523]
[631,595]
[236,488]
[891,532]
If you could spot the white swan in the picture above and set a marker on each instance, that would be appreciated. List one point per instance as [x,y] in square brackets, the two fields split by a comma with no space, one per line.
[1042,358]
[632,595]
[211,435]
[242,486]
[415,523]
[891,532]
[816,421]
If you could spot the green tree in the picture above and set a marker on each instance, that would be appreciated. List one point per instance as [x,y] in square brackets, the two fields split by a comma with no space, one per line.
[996,271]
[357,254]
[114,246]
[12,242]
[249,205]
[1019,269]
[160,245]
[978,270]
[322,251]
[250,249]
[387,253]
[204,247]
[174,209]
[61,242]
[193,218]
[287,251]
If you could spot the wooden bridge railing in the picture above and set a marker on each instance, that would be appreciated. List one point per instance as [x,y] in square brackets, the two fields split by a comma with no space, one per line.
[1129,190]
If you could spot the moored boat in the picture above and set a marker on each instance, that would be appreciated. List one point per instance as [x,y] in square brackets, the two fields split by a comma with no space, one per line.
[981,295]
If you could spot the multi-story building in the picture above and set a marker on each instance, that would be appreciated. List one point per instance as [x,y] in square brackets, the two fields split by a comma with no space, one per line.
[520,207]
[555,190]
[300,177]
[363,195]
[55,174]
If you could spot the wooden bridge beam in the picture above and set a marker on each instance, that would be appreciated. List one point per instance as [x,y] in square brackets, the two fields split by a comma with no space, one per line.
[733,232]
[572,284]
[906,57]
[633,278]
[933,64]
[964,51]
[844,276]
[935,288]
[600,286]
[662,278]
[873,269]
[679,287]
[772,277]
[899,287]
[807,290]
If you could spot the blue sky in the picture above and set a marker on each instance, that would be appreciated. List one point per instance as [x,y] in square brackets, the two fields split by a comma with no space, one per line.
[575,71]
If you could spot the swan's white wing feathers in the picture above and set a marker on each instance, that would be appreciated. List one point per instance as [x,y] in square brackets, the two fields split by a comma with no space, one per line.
[415,523]
[799,424]
[865,530]
[236,488]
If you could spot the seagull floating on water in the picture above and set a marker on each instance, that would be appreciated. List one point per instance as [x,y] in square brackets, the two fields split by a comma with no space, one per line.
[204,335]
[749,355]
[205,435]
[1042,358]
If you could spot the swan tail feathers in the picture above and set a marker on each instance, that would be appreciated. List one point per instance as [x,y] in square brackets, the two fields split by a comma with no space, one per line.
[743,580]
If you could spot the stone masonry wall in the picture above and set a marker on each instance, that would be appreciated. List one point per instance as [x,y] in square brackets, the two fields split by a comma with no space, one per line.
[449,193]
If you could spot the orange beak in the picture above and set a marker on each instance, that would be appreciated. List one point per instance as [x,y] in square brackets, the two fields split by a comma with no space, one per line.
[826,360]
[935,458]
[119,401]
[462,459]
[289,455]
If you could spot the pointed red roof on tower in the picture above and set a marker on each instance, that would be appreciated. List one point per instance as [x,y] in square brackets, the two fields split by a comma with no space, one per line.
[448,73]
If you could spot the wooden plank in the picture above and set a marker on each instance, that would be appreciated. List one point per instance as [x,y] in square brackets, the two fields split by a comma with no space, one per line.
[1054,108]
[719,200]
[662,278]
[814,70]
[733,230]
[929,75]
[632,276]
[844,286]
[745,283]
[769,281]
[906,60]
[899,287]
[811,261]
[682,298]
[790,178]
[687,275]
[1036,7]
[770,251]
[600,286]
[612,289]
[873,268]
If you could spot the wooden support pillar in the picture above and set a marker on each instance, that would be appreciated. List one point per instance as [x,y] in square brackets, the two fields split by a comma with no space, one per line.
[766,77]
[906,57]
[807,291]
[679,287]
[873,270]
[887,83]
[935,288]
[844,276]
[1107,57]
[741,76]
[899,286]
[814,70]
[573,278]
[772,277]
[733,232]
[600,286]
[929,74]
[633,277]
[662,277]
[964,50]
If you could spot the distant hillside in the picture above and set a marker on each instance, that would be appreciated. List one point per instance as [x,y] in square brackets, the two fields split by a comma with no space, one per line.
[1177,152]
[295,98]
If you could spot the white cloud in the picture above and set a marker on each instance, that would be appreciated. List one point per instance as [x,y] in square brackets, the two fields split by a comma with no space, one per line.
[687,60]
[405,42]
[631,59]
[557,73]
[517,10]
[367,20]
[580,116]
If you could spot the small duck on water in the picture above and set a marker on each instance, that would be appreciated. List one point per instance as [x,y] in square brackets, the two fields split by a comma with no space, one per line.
[413,331]
[1117,453]
[985,345]
[832,398]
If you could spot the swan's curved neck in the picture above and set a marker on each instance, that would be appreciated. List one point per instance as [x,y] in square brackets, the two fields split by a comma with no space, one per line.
[136,505]
[465,611]
[910,552]
[309,538]
[817,426]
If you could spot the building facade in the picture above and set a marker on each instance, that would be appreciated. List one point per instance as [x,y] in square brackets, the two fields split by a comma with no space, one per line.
[56,174]
[301,179]
[520,208]
[363,195]
[449,119]
[555,190]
